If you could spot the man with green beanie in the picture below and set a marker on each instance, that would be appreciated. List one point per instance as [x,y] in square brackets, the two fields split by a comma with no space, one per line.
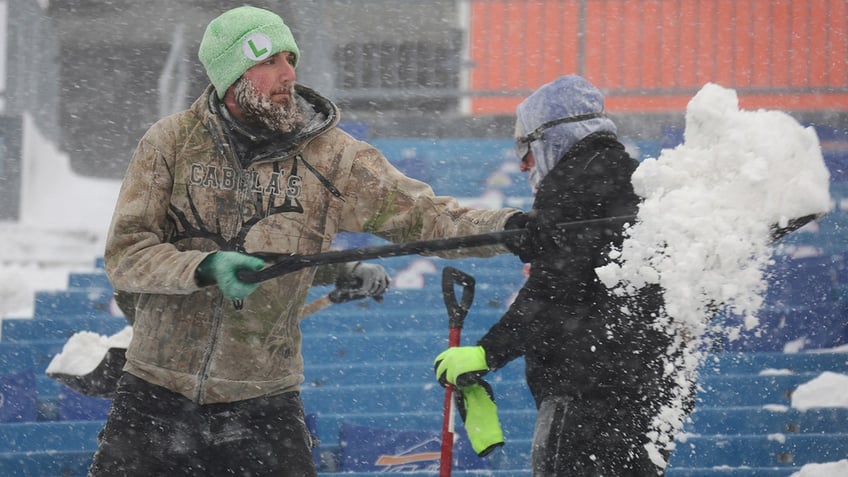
[256,166]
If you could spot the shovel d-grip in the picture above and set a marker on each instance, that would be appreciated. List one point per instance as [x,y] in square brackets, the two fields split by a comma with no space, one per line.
[457,310]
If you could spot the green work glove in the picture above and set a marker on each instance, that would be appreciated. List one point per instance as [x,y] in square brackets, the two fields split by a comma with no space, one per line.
[461,365]
[480,414]
[222,268]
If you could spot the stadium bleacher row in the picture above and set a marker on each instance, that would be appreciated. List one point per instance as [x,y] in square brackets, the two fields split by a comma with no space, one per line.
[369,370]
[369,385]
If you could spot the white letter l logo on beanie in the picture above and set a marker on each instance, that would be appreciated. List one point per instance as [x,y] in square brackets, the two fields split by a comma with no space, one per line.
[257,46]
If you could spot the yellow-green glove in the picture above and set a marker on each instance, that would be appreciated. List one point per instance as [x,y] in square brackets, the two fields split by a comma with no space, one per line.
[461,365]
[480,414]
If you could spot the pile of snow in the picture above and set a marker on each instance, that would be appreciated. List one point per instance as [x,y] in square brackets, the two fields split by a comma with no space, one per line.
[703,229]
[827,390]
[85,350]
[830,469]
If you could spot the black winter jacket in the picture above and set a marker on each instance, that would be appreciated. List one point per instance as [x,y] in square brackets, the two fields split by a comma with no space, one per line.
[572,331]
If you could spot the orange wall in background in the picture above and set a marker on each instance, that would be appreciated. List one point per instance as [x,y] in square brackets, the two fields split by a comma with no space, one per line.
[653,55]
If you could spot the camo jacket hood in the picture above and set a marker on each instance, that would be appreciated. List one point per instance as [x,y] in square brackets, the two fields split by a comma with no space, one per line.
[185,194]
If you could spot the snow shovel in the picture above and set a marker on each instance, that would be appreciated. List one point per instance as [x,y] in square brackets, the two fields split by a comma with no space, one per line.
[280,264]
[457,310]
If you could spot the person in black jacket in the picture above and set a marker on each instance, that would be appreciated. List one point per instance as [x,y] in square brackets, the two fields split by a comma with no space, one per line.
[595,361]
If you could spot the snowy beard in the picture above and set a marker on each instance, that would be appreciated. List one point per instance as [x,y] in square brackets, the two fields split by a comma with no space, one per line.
[258,109]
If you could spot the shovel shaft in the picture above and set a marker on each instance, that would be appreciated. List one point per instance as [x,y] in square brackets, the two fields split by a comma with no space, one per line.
[447,434]
[282,264]
[448,423]
[457,310]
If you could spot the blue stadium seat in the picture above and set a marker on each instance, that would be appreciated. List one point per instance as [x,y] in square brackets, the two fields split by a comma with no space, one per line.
[723,471]
[89,280]
[17,397]
[59,328]
[89,301]
[511,460]
[818,325]
[33,355]
[46,463]
[401,398]
[759,420]
[392,372]
[800,281]
[747,390]
[372,347]
[755,363]
[380,346]
[783,450]
[426,159]
[348,320]
[73,406]
[516,423]
[48,448]
[29,437]
[377,449]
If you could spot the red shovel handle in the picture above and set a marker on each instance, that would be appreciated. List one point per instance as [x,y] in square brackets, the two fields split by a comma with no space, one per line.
[457,310]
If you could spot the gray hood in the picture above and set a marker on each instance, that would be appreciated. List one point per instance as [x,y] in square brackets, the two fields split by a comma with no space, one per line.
[564,97]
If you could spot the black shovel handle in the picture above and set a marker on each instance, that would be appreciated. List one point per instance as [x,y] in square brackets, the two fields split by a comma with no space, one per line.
[280,264]
[283,263]
[457,309]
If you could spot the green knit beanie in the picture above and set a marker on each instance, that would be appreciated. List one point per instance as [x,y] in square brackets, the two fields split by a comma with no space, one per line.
[240,38]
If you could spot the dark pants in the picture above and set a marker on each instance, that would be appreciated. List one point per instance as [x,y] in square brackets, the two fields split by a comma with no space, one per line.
[592,438]
[152,431]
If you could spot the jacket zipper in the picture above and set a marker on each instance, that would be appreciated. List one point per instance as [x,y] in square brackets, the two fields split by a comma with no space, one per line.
[218,308]
[217,321]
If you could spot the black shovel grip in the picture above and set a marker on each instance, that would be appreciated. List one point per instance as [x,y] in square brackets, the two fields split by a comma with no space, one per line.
[457,310]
